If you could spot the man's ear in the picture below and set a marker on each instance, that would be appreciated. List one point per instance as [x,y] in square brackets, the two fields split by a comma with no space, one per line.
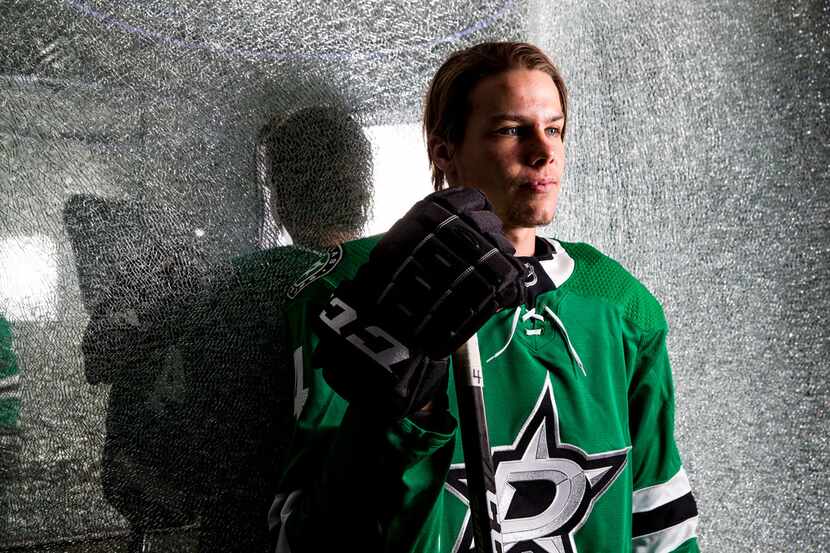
[441,152]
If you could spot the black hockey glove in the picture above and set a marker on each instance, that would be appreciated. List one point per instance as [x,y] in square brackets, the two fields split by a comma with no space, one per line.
[430,283]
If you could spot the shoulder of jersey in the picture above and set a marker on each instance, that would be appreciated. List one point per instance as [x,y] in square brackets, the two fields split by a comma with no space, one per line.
[337,264]
[597,275]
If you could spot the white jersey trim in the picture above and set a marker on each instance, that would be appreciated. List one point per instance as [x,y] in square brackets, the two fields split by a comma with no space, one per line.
[9,381]
[652,497]
[300,391]
[10,387]
[666,540]
[561,267]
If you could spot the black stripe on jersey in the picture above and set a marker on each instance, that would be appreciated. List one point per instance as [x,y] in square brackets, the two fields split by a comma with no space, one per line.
[537,281]
[664,516]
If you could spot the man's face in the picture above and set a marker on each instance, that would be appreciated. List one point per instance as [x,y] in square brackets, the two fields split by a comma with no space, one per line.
[512,148]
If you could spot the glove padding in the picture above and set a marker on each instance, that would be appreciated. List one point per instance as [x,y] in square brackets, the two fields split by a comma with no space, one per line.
[430,283]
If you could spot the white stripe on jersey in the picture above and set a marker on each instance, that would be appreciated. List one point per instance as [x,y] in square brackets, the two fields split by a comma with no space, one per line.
[667,539]
[9,381]
[561,266]
[652,497]
[300,393]
[10,386]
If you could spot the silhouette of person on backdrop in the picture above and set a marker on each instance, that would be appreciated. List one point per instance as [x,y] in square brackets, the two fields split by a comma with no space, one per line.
[200,403]
[318,167]
[136,281]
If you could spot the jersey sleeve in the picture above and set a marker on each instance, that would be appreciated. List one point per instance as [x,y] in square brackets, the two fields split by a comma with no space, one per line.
[351,478]
[664,510]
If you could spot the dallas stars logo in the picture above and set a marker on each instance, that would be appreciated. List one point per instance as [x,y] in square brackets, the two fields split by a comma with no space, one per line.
[319,269]
[530,277]
[546,488]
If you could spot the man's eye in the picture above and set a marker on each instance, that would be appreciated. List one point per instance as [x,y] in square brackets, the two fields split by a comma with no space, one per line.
[553,131]
[509,131]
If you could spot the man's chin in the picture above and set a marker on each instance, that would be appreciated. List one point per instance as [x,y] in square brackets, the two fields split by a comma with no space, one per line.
[528,218]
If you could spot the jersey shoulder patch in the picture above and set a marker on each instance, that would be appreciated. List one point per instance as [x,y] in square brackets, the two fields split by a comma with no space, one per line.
[338,263]
[323,266]
[598,275]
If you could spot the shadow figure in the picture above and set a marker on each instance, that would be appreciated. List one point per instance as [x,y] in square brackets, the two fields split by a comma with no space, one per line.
[139,277]
[201,398]
[316,167]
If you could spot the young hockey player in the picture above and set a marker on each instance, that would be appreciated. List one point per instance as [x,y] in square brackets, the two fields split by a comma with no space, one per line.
[578,388]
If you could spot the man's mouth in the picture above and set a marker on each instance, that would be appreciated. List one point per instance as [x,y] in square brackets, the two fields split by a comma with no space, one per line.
[538,186]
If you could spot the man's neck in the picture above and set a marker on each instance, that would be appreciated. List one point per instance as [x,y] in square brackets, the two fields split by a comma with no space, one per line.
[523,239]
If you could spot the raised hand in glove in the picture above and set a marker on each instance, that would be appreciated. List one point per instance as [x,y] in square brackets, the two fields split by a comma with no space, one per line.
[430,283]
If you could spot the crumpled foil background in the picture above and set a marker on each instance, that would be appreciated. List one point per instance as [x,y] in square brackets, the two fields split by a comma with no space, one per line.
[134,165]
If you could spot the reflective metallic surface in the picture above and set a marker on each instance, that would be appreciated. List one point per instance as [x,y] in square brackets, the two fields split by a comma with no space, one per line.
[144,147]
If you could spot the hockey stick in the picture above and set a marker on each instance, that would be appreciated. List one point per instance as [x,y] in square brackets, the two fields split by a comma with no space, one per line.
[478,461]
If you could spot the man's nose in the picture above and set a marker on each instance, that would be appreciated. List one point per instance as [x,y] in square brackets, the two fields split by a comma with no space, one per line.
[542,148]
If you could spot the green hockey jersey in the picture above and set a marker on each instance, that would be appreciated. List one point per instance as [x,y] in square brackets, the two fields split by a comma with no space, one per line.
[580,409]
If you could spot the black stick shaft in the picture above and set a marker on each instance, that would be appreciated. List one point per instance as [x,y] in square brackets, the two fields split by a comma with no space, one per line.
[478,461]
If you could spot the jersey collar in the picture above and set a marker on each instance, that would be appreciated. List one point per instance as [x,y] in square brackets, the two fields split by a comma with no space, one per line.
[553,258]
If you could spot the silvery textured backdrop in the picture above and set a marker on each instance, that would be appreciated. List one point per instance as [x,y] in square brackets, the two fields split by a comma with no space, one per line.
[132,140]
